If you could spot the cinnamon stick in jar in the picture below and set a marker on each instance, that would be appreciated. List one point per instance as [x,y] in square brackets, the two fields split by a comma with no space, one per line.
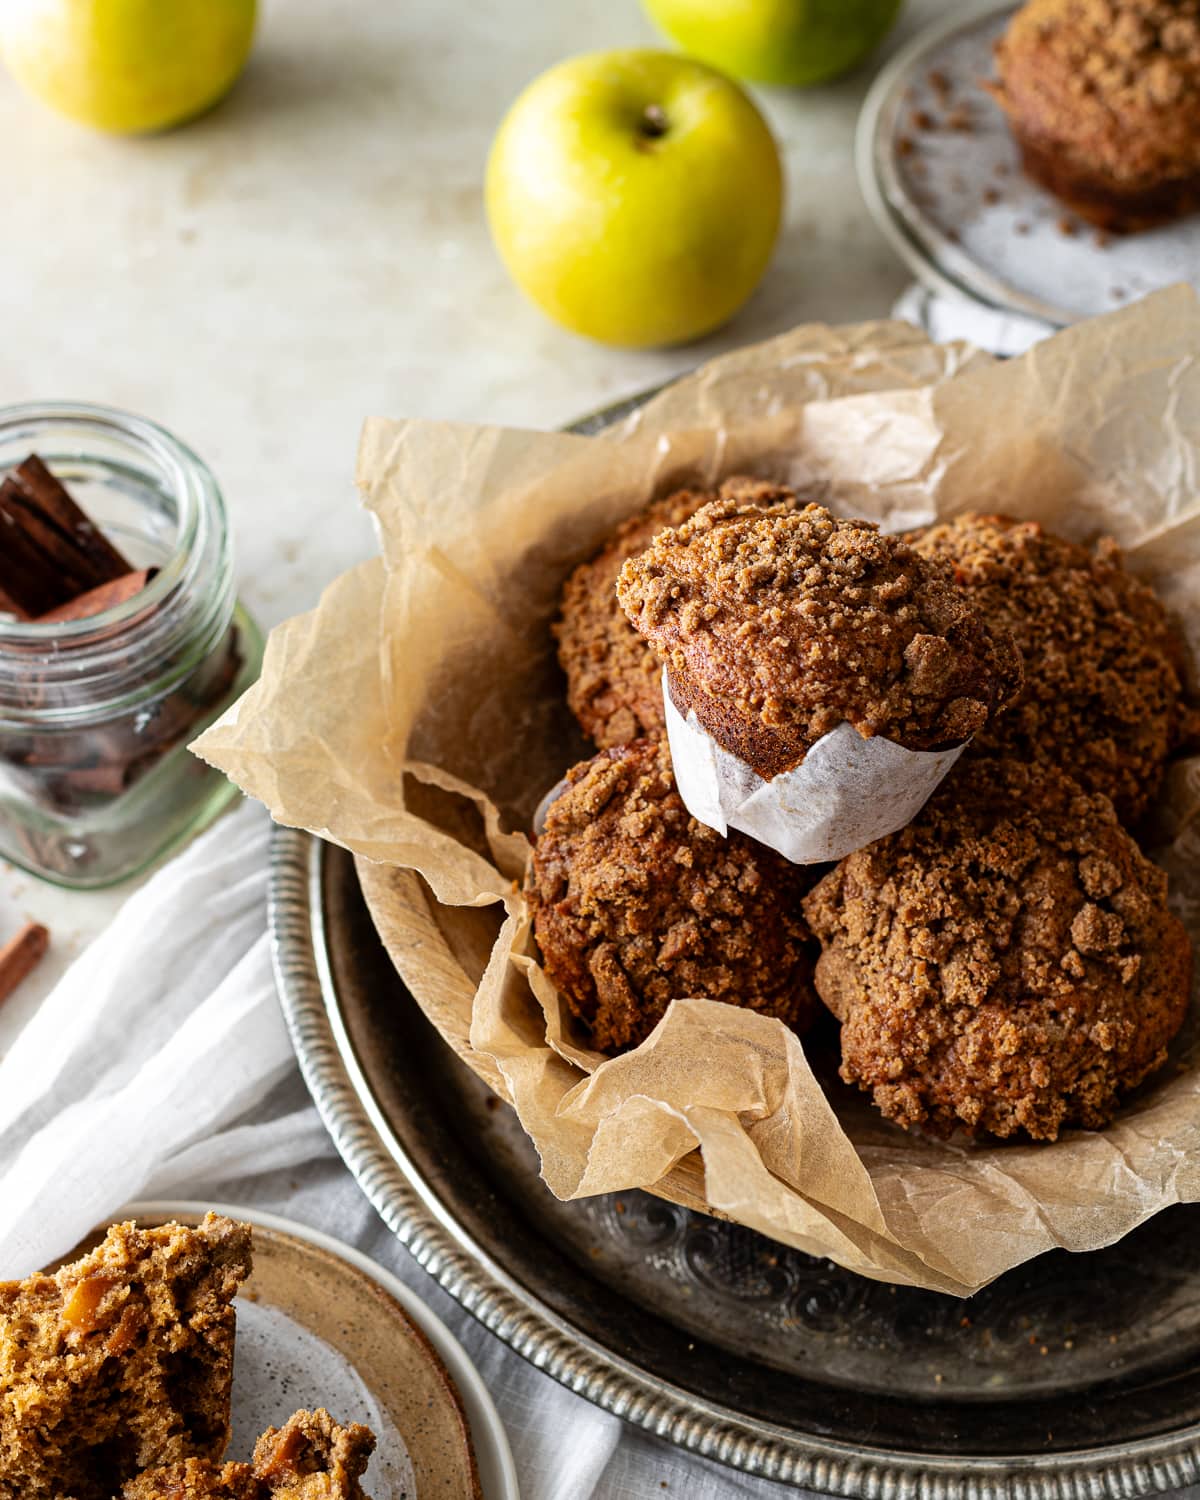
[97,600]
[50,550]
[57,568]
[107,671]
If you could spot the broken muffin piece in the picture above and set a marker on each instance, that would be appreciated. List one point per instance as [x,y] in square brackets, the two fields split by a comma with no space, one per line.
[635,904]
[119,1361]
[195,1479]
[1005,963]
[311,1457]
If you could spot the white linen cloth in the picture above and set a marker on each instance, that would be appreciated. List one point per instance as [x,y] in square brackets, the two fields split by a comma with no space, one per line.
[160,1067]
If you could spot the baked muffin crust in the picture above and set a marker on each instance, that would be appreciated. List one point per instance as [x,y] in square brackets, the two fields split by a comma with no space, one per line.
[614,679]
[1005,963]
[1103,97]
[779,621]
[1103,664]
[635,904]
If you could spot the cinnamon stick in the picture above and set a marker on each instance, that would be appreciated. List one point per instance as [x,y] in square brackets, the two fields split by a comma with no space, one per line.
[72,568]
[96,600]
[9,606]
[51,498]
[21,955]
[50,550]
[30,579]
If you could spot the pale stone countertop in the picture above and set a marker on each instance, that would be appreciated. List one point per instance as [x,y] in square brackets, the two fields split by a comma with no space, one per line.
[315,250]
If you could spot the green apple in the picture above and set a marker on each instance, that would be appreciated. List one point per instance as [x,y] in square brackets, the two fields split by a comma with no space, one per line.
[127,66]
[635,196]
[789,42]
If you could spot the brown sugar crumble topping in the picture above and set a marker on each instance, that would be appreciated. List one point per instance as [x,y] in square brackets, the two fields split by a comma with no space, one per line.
[635,904]
[119,1361]
[1005,963]
[780,621]
[614,679]
[1103,664]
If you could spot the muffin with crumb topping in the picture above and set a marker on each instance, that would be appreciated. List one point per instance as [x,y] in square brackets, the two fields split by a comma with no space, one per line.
[1103,98]
[778,621]
[1007,963]
[636,904]
[1104,666]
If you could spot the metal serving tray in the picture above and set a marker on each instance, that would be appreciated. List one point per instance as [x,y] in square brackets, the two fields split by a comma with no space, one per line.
[1071,1378]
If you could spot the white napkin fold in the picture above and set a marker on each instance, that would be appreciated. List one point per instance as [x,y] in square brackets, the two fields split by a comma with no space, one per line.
[152,1046]
[944,317]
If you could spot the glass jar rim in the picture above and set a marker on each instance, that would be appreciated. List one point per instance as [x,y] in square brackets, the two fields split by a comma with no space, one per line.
[191,483]
[117,658]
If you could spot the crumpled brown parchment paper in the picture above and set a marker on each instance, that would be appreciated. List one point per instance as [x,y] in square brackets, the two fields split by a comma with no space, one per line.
[416,717]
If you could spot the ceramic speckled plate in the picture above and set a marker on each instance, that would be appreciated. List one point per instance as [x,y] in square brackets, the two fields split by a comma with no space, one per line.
[320,1324]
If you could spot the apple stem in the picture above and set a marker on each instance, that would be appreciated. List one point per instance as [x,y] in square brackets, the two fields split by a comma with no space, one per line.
[654,122]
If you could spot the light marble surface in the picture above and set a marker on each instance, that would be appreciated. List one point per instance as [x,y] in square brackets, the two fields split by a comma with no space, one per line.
[315,250]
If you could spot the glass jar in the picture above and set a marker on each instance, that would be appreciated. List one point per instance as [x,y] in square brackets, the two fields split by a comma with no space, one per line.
[96,780]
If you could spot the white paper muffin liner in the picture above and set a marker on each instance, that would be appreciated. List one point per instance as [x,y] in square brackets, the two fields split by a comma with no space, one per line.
[847,791]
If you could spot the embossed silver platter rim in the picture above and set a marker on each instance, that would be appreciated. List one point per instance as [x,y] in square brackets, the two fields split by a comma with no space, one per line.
[515,1314]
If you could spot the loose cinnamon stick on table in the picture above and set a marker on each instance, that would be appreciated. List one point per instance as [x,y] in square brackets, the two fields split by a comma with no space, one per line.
[21,955]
